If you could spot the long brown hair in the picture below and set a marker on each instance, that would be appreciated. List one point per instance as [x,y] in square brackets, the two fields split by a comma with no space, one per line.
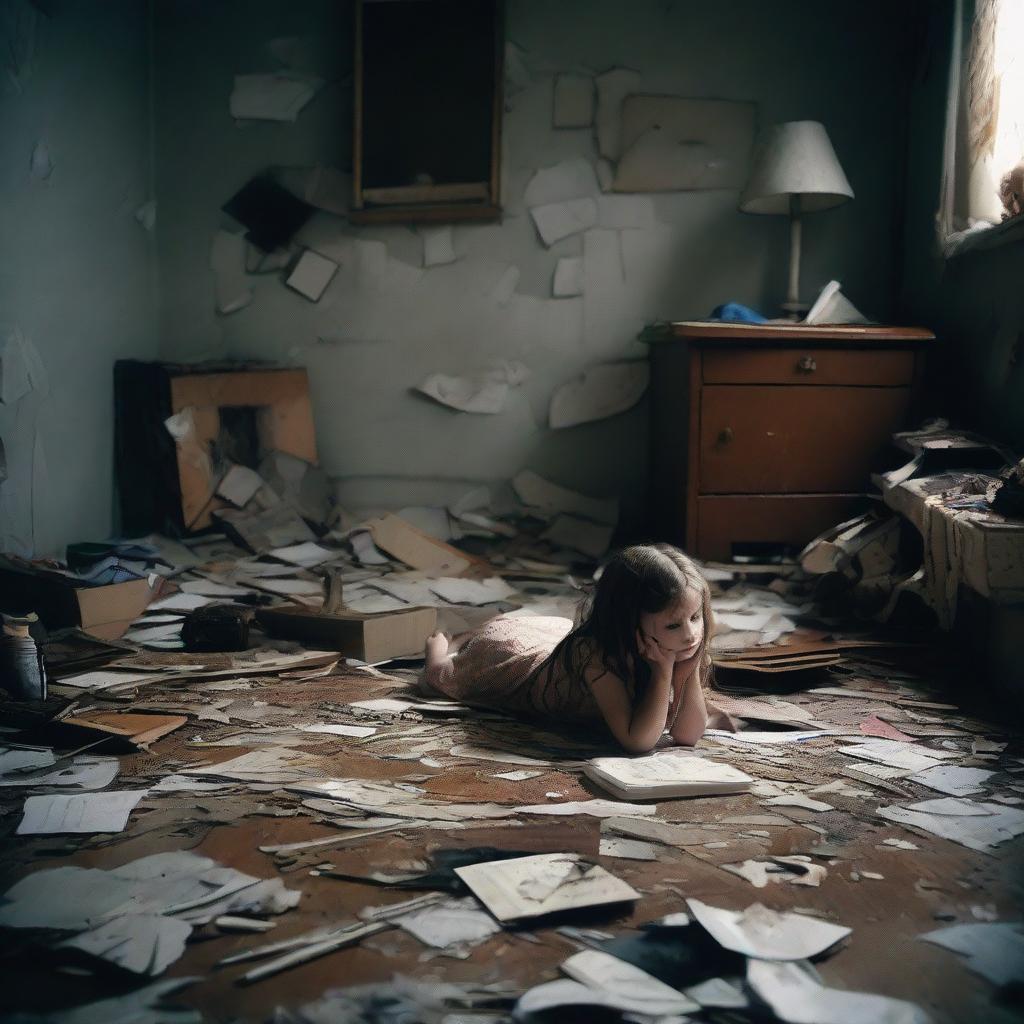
[637,579]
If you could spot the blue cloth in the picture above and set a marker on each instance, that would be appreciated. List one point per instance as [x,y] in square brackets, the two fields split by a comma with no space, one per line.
[736,312]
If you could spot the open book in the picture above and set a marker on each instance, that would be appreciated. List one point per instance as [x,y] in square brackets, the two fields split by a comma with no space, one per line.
[664,776]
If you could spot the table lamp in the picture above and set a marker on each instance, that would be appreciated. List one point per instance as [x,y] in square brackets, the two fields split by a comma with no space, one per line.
[795,172]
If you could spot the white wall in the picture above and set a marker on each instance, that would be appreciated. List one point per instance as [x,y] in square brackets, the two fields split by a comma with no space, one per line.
[76,269]
[390,323]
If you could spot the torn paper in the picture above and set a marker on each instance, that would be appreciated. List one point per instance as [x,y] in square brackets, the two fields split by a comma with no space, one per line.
[438,245]
[570,179]
[601,392]
[550,499]
[767,934]
[312,275]
[555,221]
[56,813]
[272,97]
[568,279]
[227,261]
[612,89]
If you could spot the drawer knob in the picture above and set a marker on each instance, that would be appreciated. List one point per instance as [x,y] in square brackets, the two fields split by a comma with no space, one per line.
[725,435]
[806,364]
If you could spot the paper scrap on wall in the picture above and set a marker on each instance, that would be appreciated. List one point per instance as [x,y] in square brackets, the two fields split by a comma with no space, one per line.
[602,391]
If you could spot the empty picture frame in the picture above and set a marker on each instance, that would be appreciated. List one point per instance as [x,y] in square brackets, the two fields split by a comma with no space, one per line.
[428,104]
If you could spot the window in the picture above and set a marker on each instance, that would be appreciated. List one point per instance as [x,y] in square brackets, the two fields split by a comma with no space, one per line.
[995,104]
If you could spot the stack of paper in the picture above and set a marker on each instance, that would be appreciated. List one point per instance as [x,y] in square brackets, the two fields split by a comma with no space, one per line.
[664,776]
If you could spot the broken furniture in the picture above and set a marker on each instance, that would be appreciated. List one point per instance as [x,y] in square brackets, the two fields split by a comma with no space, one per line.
[783,428]
[220,416]
[972,574]
[60,601]
[369,636]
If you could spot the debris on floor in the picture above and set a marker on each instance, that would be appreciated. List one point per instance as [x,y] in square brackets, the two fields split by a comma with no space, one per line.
[189,784]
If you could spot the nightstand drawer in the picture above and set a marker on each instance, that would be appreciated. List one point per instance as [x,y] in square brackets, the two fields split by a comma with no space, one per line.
[816,366]
[777,440]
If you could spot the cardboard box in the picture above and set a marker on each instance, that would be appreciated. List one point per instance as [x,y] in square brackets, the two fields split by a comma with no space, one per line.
[105,612]
[369,638]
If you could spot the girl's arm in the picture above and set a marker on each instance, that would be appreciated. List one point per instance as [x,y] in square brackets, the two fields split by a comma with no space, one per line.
[639,728]
[692,719]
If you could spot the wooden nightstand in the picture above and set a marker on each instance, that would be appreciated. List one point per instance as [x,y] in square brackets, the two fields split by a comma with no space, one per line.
[768,433]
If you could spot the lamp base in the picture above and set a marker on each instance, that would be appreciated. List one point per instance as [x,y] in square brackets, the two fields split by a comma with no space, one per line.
[795,311]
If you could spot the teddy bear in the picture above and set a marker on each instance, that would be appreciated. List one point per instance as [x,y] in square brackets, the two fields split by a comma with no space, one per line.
[1011,192]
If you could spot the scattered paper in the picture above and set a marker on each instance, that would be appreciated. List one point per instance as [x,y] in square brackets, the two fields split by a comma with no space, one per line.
[568,280]
[83,772]
[952,779]
[272,97]
[239,485]
[312,275]
[627,849]
[593,808]
[457,922]
[796,996]
[549,499]
[358,731]
[601,392]
[978,826]
[581,535]
[57,813]
[438,245]
[305,555]
[627,987]
[140,943]
[995,951]
[555,221]
[767,934]
[525,887]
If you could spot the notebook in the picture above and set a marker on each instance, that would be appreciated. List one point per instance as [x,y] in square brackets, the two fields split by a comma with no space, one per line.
[664,776]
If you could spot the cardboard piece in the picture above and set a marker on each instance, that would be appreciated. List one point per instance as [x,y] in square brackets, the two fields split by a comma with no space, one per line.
[284,422]
[368,637]
[417,549]
[105,612]
[137,730]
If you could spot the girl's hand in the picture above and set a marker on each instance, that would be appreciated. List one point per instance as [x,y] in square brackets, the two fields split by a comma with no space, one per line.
[654,654]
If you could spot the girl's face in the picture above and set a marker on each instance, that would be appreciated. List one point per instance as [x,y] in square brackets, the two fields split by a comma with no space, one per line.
[678,628]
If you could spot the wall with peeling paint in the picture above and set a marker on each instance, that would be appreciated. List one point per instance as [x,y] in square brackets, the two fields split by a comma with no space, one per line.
[77,269]
[386,322]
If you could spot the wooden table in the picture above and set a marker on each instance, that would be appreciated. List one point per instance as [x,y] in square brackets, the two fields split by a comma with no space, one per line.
[767,434]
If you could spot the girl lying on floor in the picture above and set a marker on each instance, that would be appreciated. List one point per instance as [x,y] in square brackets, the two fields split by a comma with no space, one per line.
[637,658]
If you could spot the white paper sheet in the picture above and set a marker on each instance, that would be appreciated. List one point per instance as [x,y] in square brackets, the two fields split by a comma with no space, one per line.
[568,279]
[57,813]
[438,245]
[140,943]
[312,275]
[570,179]
[602,391]
[767,934]
[796,996]
[581,535]
[952,779]
[550,499]
[995,951]
[85,771]
[305,555]
[358,731]
[978,826]
[278,96]
[612,88]
[555,221]
[102,679]
[631,988]
[593,808]
[525,887]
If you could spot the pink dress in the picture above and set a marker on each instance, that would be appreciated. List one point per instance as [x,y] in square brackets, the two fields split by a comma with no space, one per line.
[499,666]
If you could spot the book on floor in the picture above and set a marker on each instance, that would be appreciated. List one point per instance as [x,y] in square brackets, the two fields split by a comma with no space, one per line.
[664,776]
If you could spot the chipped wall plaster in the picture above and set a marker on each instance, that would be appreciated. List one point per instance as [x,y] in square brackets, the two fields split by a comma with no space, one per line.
[385,323]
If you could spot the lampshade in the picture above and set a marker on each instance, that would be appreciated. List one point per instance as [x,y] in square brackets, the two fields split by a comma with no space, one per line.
[795,158]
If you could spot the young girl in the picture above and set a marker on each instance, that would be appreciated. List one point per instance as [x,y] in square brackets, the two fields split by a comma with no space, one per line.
[637,657]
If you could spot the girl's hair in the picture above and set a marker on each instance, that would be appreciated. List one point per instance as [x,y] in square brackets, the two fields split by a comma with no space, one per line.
[638,579]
